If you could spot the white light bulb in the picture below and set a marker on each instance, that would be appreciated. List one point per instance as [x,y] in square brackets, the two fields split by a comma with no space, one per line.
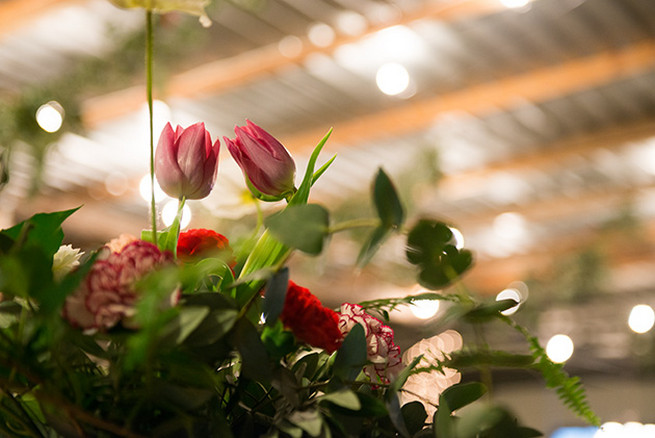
[559,348]
[424,309]
[50,116]
[641,318]
[392,78]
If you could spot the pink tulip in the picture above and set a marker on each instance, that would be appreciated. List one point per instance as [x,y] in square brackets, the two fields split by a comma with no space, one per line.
[263,160]
[186,162]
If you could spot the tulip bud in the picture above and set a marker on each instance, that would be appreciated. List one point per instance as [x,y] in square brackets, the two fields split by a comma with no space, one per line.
[186,162]
[263,160]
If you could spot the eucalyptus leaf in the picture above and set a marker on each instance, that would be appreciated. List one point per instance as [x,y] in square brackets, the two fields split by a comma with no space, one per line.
[344,398]
[310,421]
[414,415]
[387,203]
[395,415]
[256,363]
[276,291]
[188,319]
[304,227]
[462,394]
[429,246]
[351,356]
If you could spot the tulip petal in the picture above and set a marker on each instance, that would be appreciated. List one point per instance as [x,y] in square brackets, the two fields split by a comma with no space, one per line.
[167,170]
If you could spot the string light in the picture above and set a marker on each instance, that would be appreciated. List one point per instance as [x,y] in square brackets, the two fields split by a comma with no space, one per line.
[641,319]
[50,116]
[559,348]
[392,78]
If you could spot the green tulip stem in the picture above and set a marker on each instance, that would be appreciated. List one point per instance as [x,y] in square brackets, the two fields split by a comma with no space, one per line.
[149,52]
[355,223]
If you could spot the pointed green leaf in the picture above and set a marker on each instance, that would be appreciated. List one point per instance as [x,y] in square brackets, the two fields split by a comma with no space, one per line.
[387,202]
[304,227]
[256,363]
[302,195]
[42,230]
[371,246]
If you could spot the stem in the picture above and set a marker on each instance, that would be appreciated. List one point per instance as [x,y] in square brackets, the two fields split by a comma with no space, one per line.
[354,223]
[149,51]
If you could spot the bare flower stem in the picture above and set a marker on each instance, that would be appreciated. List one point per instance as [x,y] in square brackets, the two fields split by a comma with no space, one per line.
[149,52]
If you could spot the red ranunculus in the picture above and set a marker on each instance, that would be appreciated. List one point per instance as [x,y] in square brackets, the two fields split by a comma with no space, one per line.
[201,242]
[309,321]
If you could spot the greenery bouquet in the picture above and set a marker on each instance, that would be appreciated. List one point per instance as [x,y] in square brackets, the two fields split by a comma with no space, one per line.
[174,334]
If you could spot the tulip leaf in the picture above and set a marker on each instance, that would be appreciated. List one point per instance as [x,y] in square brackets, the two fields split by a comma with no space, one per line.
[302,195]
[276,292]
[430,247]
[387,202]
[42,230]
[304,227]
[322,170]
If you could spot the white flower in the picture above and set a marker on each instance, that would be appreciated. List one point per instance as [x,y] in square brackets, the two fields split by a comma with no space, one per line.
[65,260]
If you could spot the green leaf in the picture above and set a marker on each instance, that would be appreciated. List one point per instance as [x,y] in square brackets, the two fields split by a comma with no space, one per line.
[309,421]
[395,415]
[351,356]
[188,320]
[42,230]
[414,415]
[429,246]
[322,170]
[372,245]
[444,424]
[278,342]
[345,398]
[402,377]
[256,363]
[302,195]
[276,292]
[462,394]
[387,202]
[304,227]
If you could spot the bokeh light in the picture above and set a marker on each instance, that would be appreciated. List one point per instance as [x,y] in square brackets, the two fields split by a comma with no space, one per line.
[559,348]
[641,319]
[145,191]
[392,78]
[169,212]
[424,309]
[50,116]
[510,294]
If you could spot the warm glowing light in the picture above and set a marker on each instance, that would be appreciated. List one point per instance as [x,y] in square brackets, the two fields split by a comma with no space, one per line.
[641,319]
[50,116]
[144,190]
[321,35]
[510,294]
[424,309]
[290,46]
[392,78]
[169,212]
[559,348]
[515,3]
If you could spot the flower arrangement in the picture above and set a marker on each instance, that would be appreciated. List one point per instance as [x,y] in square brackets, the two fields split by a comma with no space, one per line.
[176,334]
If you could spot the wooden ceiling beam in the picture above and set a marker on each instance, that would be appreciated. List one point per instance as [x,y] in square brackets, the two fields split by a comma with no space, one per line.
[224,74]
[536,86]
[17,13]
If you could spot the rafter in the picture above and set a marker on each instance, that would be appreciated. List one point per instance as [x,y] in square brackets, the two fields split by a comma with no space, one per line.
[223,74]
[17,13]
[536,86]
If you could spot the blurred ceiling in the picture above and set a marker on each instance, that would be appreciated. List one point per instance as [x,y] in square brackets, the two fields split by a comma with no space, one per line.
[535,125]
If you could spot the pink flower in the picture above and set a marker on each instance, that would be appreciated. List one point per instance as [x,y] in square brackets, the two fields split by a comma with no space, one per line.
[383,355]
[107,295]
[186,162]
[263,160]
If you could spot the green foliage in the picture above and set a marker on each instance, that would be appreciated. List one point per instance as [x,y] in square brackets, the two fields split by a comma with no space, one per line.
[304,227]
[430,247]
[391,214]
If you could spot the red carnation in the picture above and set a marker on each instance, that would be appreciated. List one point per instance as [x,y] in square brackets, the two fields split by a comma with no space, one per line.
[309,321]
[200,242]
